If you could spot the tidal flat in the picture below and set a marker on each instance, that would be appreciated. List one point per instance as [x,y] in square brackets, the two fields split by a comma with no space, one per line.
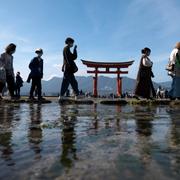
[89,142]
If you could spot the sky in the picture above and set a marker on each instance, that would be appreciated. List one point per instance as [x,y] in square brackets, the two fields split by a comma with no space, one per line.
[104,30]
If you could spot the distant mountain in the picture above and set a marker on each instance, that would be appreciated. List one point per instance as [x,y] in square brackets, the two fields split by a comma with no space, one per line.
[166,84]
[105,85]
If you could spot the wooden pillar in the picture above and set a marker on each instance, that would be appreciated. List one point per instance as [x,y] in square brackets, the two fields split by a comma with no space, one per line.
[119,85]
[95,80]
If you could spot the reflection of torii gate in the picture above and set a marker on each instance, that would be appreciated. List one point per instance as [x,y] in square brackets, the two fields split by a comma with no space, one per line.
[107,66]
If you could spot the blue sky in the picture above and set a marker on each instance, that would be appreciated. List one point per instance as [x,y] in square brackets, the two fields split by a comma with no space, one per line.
[113,30]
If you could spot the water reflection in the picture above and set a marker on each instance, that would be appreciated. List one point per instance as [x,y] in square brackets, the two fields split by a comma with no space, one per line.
[96,142]
[175,126]
[174,148]
[143,117]
[35,131]
[68,136]
[7,115]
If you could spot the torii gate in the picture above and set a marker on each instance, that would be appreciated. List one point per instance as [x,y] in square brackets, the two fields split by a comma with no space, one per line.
[107,66]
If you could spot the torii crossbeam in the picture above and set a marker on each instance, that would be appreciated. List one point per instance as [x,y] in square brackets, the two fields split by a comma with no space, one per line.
[107,68]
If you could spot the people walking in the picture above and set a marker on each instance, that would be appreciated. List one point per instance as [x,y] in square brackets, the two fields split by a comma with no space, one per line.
[7,64]
[69,68]
[144,85]
[174,61]
[19,84]
[36,74]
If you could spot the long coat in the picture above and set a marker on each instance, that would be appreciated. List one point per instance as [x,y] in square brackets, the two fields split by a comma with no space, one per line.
[144,85]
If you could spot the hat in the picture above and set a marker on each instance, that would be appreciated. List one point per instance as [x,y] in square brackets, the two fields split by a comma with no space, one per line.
[38,50]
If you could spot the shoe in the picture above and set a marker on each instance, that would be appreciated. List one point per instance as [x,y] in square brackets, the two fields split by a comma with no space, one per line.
[13,98]
[76,97]
[60,98]
[136,97]
[41,99]
[32,98]
[151,98]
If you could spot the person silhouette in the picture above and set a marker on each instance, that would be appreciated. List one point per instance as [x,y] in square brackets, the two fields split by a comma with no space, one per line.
[69,68]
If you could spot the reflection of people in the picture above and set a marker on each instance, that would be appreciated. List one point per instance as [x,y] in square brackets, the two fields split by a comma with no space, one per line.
[7,60]
[69,68]
[35,131]
[144,85]
[36,74]
[6,135]
[68,137]
[174,141]
[144,125]
[175,61]
[19,84]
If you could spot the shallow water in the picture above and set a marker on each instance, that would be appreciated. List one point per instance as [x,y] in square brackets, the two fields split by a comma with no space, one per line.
[89,142]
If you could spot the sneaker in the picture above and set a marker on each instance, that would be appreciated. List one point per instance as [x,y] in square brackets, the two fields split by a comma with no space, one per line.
[60,98]
[13,98]
[78,97]
[32,98]
[41,99]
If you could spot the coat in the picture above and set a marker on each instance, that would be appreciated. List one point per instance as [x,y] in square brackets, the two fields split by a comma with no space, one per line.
[68,60]
[144,85]
[36,67]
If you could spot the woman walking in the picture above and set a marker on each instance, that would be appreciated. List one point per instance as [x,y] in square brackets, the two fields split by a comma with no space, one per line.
[7,63]
[144,85]
[175,62]
[69,68]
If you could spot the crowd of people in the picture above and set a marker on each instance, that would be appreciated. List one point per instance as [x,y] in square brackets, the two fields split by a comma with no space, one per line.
[144,86]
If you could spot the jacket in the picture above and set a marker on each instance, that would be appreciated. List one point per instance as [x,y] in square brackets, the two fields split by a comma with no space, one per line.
[68,59]
[36,67]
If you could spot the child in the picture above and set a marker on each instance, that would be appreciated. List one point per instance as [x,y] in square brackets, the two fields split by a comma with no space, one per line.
[19,84]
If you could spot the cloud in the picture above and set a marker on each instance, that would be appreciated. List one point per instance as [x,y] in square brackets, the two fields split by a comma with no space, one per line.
[147,18]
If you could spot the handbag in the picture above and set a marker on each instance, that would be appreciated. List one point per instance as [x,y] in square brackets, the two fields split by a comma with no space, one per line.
[70,65]
[73,67]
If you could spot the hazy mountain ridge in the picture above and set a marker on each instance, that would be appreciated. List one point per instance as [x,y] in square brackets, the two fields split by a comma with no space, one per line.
[105,85]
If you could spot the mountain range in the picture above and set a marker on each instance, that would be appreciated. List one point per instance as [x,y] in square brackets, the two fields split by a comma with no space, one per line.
[106,85]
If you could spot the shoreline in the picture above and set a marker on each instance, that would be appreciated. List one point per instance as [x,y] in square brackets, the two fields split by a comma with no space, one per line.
[105,101]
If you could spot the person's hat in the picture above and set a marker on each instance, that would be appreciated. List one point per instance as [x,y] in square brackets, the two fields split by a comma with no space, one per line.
[38,50]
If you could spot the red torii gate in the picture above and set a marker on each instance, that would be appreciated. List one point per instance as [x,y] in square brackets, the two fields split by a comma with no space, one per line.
[107,66]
